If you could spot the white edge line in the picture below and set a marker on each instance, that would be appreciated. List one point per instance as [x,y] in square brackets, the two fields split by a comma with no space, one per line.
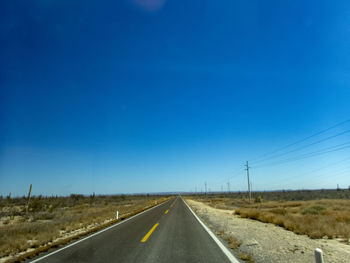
[217,241]
[94,234]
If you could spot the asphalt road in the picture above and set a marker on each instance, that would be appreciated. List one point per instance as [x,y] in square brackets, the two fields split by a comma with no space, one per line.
[167,233]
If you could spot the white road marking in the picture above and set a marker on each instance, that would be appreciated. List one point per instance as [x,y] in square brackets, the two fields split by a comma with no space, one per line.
[217,241]
[99,232]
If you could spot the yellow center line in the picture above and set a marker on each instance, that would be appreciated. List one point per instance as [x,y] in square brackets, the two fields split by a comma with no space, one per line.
[144,239]
[166,211]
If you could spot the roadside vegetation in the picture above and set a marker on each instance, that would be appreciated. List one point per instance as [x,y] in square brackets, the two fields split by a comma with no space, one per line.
[52,221]
[234,244]
[318,214]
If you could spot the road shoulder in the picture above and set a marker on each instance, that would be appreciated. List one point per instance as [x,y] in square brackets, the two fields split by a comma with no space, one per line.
[267,242]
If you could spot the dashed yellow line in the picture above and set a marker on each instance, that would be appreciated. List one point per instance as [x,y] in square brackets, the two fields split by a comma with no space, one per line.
[166,211]
[144,239]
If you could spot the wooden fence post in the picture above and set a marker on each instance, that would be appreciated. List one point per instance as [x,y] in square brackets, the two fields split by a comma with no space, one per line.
[30,190]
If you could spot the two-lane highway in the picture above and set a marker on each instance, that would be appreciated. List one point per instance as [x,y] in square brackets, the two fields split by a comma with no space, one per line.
[166,233]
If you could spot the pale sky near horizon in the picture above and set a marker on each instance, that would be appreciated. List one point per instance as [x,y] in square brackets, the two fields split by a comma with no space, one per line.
[142,96]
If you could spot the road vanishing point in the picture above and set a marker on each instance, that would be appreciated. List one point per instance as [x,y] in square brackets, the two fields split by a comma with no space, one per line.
[169,232]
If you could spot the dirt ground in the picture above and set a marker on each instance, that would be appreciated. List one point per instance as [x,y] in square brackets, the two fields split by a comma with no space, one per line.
[268,242]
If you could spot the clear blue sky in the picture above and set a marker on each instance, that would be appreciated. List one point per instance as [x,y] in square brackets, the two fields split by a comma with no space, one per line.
[164,95]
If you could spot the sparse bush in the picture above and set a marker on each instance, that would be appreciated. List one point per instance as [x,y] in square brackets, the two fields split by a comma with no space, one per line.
[36,205]
[246,257]
[92,198]
[233,243]
[49,215]
[279,211]
[317,219]
[43,216]
[76,197]
[258,199]
[51,208]
[316,213]
[313,210]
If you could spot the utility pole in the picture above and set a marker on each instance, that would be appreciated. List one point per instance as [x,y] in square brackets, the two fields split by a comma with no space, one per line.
[247,169]
[205,188]
[222,188]
[228,187]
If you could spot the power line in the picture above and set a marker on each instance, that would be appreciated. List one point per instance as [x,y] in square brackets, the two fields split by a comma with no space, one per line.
[237,174]
[272,155]
[333,173]
[234,176]
[317,153]
[305,146]
[275,156]
[330,174]
[302,157]
[329,148]
[322,168]
[307,174]
[299,141]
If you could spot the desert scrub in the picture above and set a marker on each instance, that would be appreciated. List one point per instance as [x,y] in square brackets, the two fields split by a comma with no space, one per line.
[313,210]
[50,218]
[246,257]
[283,195]
[41,233]
[317,219]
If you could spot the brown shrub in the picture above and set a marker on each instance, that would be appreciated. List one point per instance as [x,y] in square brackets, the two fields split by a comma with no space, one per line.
[49,216]
[302,211]
[246,257]
[313,218]
[232,242]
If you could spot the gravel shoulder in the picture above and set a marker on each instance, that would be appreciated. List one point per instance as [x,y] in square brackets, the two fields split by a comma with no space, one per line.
[267,242]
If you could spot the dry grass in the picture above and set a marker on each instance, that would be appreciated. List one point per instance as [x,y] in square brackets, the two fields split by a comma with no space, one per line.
[317,219]
[55,221]
[246,257]
[232,242]
[221,202]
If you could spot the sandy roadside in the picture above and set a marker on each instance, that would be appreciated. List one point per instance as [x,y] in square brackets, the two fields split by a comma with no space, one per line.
[267,242]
